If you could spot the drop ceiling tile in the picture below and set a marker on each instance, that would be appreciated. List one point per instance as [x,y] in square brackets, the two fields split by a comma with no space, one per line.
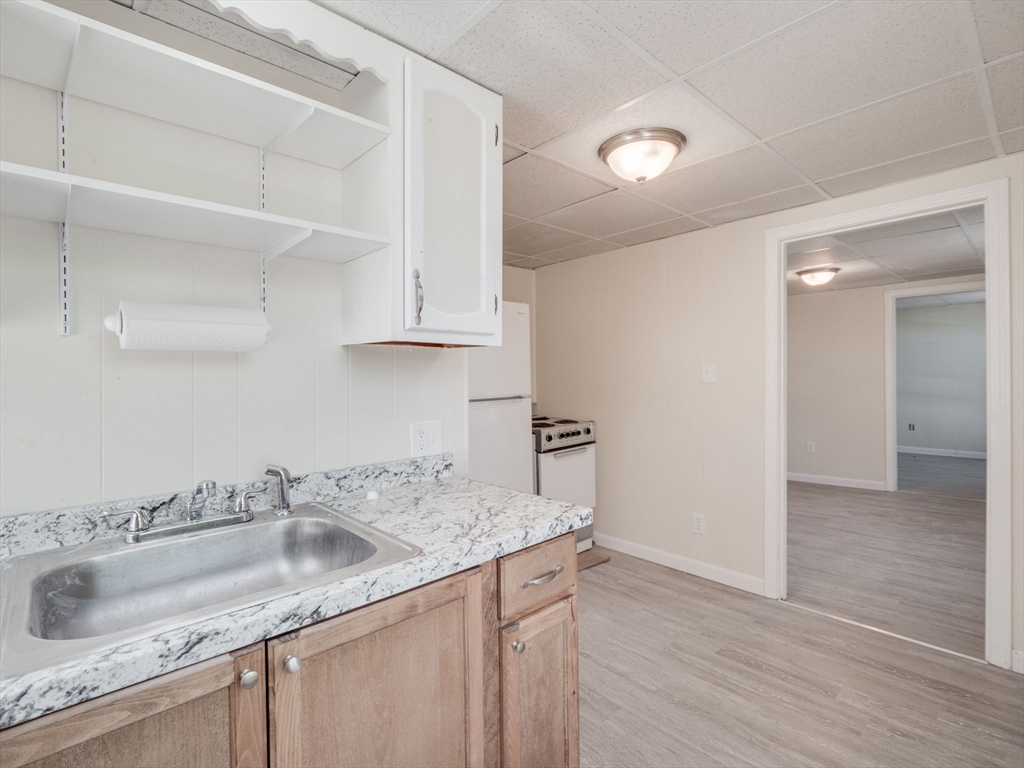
[976,232]
[707,133]
[1006,82]
[530,263]
[964,297]
[908,227]
[508,258]
[554,68]
[854,54]
[776,201]
[910,168]
[420,26]
[973,215]
[510,153]
[533,187]
[729,179]
[821,258]
[531,239]
[670,228]
[915,302]
[508,221]
[1000,27]
[813,244]
[920,247]
[931,118]
[1013,141]
[608,214]
[684,36]
[589,248]
[912,276]
[882,279]
[908,268]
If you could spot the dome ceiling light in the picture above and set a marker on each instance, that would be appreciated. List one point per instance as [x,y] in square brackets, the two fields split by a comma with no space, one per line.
[818,276]
[642,154]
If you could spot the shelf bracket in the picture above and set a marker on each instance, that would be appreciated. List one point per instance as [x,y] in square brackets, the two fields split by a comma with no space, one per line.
[272,253]
[65,283]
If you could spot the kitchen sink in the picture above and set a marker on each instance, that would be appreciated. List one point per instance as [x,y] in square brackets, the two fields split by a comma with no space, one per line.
[66,602]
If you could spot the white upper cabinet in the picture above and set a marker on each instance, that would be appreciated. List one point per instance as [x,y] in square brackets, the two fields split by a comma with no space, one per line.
[452,205]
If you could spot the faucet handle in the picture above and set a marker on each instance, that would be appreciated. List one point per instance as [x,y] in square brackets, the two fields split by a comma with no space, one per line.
[242,501]
[139,520]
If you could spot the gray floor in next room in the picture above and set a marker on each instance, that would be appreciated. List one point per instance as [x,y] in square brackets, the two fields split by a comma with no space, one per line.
[910,562]
[680,671]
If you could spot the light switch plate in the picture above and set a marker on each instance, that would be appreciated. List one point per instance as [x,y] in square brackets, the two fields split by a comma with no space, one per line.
[707,373]
[426,438]
[810,446]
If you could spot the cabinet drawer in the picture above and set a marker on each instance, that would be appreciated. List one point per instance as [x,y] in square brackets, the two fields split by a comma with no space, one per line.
[537,574]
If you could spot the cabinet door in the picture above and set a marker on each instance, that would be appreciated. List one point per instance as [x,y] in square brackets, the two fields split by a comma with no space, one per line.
[197,716]
[539,703]
[398,683]
[452,204]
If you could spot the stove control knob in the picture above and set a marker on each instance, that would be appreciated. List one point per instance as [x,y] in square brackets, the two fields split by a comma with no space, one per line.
[587,430]
[578,433]
[549,438]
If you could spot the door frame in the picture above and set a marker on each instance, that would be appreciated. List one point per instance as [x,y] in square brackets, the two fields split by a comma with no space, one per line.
[891,442]
[995,197]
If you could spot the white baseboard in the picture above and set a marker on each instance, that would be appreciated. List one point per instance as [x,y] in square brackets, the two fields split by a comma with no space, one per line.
[942,452]
[1017,662]
[842,482]
[685,564]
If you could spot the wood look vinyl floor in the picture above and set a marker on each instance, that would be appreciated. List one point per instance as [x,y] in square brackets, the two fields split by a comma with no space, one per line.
[910,562]
[679,671]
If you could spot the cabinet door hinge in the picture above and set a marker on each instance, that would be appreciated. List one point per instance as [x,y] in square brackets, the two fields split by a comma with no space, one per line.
[495,303]
[495,134]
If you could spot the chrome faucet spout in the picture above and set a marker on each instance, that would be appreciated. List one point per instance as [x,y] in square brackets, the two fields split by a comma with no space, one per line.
[204,491]
[284,499]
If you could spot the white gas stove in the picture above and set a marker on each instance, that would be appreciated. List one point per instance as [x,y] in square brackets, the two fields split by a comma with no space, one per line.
[566,465]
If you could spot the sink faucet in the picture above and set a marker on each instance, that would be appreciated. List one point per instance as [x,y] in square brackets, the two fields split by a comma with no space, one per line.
[204,491]
[284,499]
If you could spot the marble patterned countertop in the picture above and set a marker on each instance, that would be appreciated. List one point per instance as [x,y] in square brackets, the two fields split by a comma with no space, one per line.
[458,523]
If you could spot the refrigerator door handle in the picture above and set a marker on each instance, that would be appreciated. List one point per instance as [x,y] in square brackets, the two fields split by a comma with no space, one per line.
[513,398]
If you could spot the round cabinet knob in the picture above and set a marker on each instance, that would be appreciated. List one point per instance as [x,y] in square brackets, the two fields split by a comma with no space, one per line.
[518,646]
[248,678]
[292,664]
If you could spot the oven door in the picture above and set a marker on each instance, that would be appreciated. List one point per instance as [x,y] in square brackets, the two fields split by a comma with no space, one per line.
[569,475]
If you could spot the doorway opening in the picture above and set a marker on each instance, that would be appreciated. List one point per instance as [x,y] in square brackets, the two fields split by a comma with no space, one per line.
[845,485]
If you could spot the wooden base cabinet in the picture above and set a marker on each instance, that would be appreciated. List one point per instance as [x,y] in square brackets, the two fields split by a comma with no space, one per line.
[399,683]
[426,678]
[200,716]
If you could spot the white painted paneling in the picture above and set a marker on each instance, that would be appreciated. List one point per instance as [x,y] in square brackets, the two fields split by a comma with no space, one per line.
[940,377]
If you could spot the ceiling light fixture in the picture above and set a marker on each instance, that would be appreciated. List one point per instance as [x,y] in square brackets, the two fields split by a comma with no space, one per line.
[818,276]
[642,154]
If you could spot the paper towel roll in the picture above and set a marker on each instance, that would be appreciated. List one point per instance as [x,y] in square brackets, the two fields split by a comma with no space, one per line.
[186,327]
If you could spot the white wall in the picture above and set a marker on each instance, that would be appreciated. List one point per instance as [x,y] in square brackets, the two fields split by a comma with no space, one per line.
[835,352]
[521,285]
[940,378]
[82,420]
[625,346]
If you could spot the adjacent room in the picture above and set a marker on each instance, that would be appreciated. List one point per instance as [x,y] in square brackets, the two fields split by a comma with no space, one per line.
[511,383]
[894,308]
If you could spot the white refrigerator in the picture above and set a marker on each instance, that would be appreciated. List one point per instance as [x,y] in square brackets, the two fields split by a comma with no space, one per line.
[500,407]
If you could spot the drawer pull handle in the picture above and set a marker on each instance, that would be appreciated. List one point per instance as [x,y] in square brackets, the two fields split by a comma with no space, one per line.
[543,579]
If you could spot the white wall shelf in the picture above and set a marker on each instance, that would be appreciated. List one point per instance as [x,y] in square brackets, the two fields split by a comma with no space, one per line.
[36,193]
[48,46]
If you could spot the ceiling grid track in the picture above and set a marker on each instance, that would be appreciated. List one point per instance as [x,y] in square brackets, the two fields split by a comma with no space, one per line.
[970,34]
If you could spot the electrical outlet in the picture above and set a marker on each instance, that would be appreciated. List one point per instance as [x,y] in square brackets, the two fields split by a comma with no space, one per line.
[698,524]
[426,438]
[707,373]
[911,427]
[810,446]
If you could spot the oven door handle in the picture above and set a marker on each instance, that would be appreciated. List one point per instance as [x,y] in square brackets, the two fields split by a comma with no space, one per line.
[560,454]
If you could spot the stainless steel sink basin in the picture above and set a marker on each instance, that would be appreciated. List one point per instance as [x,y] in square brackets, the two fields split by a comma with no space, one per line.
[63,603]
